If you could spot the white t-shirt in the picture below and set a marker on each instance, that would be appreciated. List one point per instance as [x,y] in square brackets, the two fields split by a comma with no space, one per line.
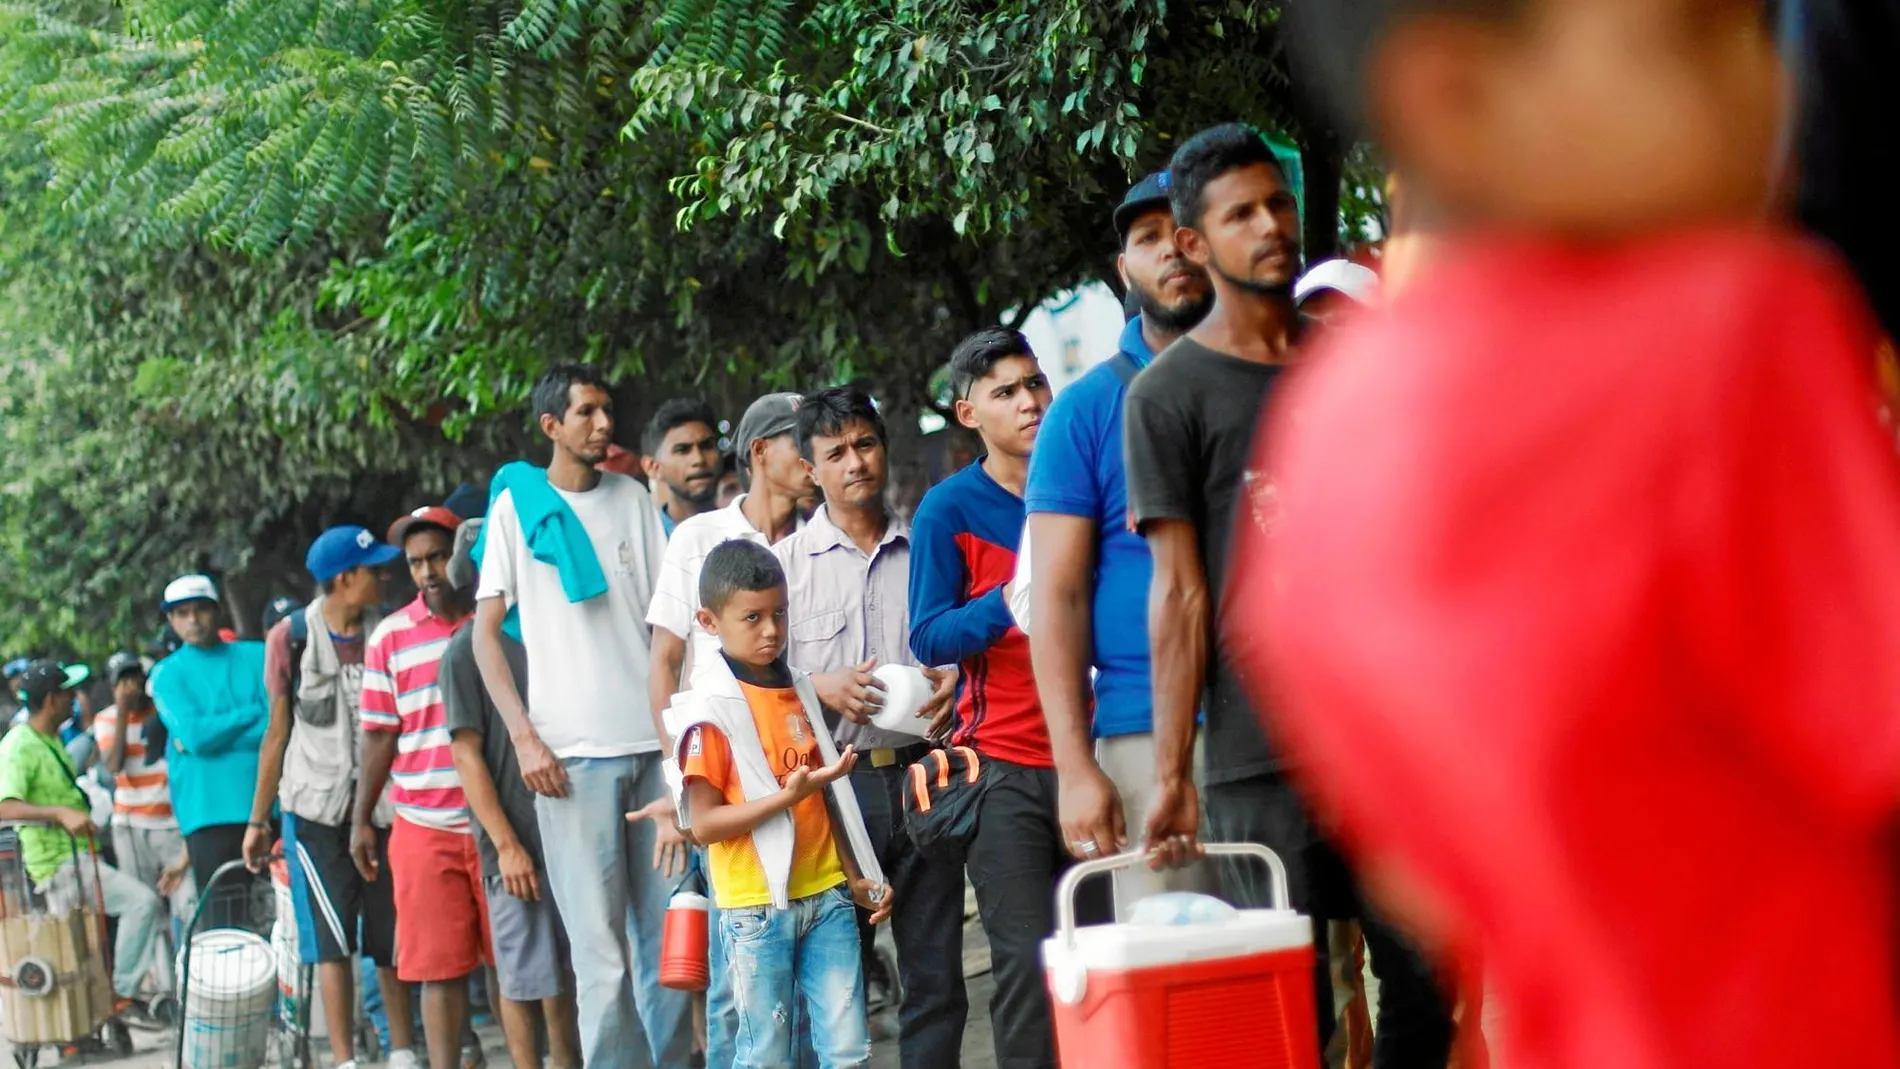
[676,598]
[587,678]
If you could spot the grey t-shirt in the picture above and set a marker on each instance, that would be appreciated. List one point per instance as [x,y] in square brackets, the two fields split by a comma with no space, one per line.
[467,707]
[1188,432]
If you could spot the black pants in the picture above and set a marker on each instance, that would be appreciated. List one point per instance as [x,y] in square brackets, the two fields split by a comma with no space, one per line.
[212,846]
[1014,862]
[927,925]
[1414,1026]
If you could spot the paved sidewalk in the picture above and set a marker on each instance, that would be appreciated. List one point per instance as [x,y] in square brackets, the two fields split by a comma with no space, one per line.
[155,1049]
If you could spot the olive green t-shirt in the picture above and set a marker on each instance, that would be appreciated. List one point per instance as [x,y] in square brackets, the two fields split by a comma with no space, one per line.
[35,769]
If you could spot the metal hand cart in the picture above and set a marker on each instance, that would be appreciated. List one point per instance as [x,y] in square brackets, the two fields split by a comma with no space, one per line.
[55,955]
[243,1005]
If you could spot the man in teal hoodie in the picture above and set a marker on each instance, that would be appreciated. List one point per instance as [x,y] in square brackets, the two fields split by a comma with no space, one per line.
[210,697]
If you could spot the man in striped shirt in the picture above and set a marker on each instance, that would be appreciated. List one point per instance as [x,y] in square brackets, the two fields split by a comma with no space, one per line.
[145,836]
[441,915]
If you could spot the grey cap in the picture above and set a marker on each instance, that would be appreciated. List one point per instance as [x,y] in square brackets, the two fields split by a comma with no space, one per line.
[768,417]
[462,568]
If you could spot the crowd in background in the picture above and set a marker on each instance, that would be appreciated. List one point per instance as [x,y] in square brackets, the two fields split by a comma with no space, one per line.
[502,771]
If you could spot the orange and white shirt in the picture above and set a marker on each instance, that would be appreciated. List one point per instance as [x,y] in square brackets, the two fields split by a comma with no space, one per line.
[142,796]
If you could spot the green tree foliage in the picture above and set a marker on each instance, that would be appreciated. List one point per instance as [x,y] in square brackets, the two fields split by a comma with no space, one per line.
[409,207]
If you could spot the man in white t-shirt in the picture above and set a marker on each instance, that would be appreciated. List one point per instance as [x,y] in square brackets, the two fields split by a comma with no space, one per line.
[576,552]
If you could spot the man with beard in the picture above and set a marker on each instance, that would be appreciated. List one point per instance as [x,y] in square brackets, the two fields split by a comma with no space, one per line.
[441,916]
[681,444]
[1092,571]
[1188,435]
[577,552]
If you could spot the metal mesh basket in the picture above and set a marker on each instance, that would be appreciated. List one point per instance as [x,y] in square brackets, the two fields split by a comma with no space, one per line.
[230,984]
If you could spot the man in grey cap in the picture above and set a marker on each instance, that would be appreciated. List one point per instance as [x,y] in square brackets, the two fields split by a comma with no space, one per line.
[776,479]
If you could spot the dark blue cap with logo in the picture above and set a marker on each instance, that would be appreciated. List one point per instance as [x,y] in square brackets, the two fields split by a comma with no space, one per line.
[340,549]
[1145,196]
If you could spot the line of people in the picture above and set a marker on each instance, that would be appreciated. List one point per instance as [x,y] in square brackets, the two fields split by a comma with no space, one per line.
[603,687]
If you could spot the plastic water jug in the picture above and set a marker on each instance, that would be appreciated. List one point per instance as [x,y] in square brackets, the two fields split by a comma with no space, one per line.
[683,946]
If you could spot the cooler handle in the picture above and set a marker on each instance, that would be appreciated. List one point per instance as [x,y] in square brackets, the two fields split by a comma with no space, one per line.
[1065,890]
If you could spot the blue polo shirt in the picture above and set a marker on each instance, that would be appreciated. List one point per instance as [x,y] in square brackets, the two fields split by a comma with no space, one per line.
[1077,470]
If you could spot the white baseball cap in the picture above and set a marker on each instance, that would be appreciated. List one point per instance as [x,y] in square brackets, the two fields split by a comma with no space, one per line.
[189,588]
[1356,281]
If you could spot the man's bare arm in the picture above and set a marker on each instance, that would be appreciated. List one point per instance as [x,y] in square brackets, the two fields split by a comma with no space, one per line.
[1062,649]
[1179,619]
[668,656]
[540,769]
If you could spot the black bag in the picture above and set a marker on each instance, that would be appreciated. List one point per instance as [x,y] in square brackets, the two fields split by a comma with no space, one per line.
[940,808]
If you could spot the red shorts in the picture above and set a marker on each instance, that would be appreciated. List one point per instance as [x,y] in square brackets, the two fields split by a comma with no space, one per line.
[441,914]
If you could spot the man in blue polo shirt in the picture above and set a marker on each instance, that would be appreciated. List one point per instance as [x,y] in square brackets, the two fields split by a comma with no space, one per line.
[1088,603]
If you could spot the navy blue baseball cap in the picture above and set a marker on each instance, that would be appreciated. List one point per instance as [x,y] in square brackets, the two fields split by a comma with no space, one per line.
[1144,196]
[340,549]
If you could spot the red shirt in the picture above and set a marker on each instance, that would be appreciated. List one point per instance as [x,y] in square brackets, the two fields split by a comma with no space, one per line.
[1582,597]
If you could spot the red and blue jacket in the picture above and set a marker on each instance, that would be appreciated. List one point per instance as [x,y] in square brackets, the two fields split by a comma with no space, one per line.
[963,543]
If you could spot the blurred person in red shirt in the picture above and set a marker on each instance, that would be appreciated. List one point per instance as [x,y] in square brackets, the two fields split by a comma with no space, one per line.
[1580,589]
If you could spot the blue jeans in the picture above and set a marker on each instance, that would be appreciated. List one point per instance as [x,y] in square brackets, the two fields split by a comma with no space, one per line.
[722,1021]
[613,902]
[780,958]
[722,1018]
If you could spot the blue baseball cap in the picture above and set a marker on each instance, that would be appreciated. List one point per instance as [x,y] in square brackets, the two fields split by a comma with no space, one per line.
[1144,196]
[340,549]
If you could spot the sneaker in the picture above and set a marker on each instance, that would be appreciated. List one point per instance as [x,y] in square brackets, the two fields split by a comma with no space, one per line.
[474,1058]
[351,1064]
[404,1059]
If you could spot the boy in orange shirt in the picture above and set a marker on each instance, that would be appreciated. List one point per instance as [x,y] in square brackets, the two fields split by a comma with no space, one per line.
[756,768]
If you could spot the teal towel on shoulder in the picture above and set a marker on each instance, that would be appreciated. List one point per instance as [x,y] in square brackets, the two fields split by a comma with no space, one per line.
[553,534]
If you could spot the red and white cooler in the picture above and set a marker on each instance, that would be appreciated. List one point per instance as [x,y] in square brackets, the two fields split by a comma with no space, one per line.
[1237,994]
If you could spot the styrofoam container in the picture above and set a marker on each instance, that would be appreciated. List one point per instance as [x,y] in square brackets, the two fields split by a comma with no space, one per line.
[906,690]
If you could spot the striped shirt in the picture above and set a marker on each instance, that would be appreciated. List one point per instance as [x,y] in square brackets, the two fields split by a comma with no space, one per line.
[142,792]
[401,694]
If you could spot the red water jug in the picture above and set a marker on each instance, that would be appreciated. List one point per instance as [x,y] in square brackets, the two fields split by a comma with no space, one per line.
[683,946]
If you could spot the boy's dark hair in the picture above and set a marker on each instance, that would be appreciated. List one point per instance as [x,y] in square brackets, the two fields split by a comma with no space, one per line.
[1334,44]
[829,411]
[733,566]
[1207,156]
[552,389]
[675,413]
[976,355]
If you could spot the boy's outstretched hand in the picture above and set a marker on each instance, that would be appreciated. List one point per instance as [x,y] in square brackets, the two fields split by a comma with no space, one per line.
[805,782]
[874,896]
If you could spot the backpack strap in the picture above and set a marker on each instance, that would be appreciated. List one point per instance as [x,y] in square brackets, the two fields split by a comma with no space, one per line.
[299,640]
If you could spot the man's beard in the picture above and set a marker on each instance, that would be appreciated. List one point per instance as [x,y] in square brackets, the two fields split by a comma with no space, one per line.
[1254,285]
[1175,319]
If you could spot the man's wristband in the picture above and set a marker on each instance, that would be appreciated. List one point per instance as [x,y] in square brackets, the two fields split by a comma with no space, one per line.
[262,825]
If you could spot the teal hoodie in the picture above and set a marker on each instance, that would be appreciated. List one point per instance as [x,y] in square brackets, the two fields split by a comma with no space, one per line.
[213,704]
